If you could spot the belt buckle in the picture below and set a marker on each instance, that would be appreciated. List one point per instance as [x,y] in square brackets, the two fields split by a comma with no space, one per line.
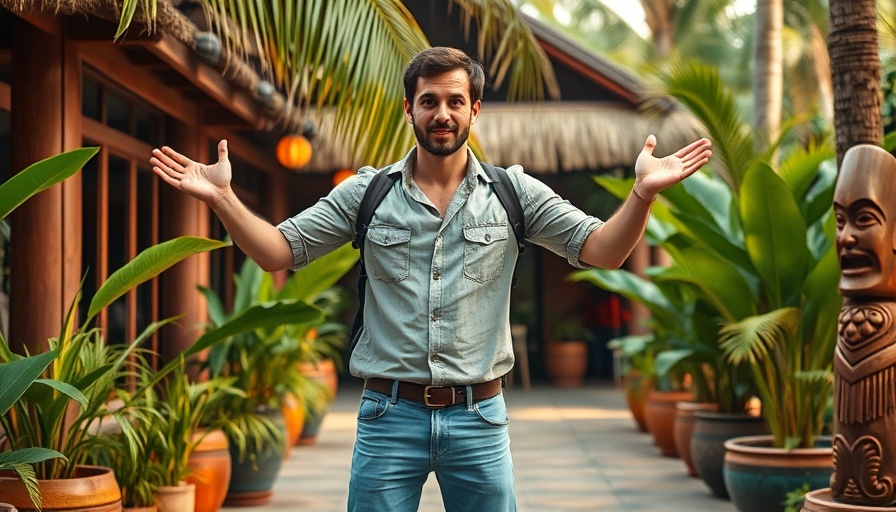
[427,396]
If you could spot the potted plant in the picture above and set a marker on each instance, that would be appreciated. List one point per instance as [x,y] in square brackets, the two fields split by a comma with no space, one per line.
[755,243]
[265,365]
[84,372]
[566,353]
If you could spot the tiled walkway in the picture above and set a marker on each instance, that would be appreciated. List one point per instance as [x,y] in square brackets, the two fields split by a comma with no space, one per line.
[573,450]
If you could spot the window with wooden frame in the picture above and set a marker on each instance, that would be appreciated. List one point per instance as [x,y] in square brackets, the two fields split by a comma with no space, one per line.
[120,201]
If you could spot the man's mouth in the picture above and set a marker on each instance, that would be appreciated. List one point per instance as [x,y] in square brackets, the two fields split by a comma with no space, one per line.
[856,263]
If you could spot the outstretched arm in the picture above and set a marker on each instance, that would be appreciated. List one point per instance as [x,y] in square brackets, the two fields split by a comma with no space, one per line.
[258,238]
[609,245]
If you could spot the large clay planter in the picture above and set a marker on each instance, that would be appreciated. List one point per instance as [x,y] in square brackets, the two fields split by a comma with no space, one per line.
[822,501]
[566,362]
[711,430]
[659,416]
[93,489]
[210,471]
[152,508]
[323,372]
[684,428]
[636,388]
[252,482]
[294,415]
[759,476]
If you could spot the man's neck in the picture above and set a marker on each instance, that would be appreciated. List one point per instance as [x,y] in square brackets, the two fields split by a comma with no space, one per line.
[441,170]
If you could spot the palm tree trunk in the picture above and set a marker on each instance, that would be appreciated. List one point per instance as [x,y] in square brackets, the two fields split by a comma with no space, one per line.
[855,74]
[768,74]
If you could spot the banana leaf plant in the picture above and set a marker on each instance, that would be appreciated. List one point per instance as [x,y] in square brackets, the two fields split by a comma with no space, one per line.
[265,361]
[754,243]
[56,395]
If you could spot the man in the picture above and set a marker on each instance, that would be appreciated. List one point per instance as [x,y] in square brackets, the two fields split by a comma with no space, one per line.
[440,256]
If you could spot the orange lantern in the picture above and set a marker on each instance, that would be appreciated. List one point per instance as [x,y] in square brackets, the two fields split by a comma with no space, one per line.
[342,175]
[293,152]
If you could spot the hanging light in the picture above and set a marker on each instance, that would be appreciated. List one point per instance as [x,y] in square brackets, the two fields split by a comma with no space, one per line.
[293,151]
[342,175]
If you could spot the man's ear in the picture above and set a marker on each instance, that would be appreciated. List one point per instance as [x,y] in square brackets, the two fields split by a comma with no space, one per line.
[474,112]
[407,111]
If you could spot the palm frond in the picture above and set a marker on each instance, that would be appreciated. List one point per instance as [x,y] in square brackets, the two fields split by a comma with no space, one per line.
[754,339]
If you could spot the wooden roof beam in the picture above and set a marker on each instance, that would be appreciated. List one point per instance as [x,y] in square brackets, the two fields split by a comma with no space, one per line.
[183,60]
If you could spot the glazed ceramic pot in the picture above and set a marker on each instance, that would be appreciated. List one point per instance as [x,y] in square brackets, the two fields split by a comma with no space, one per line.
[758,475]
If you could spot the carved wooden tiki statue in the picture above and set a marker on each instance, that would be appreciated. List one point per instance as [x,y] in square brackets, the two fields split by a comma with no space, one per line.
[865,359]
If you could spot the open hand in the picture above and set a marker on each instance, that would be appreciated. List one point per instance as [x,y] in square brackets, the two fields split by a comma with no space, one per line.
[653,175]
[208,183]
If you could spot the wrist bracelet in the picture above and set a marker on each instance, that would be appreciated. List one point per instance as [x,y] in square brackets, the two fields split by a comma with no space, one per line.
[641,198]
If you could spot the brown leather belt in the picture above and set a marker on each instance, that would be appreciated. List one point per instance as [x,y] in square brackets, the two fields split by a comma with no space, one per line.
[435,396]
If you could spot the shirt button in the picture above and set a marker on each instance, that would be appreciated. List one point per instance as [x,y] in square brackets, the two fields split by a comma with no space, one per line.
[436,275]
[488,238]
[435,315]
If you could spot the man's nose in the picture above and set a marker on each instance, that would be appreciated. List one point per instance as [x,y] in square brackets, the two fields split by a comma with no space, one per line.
[442,113]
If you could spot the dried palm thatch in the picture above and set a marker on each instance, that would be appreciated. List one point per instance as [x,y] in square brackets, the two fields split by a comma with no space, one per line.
[170,21]
[545,137]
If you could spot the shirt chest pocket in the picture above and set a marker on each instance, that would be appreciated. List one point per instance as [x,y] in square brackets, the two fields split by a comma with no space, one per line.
[484,248]
[389,253]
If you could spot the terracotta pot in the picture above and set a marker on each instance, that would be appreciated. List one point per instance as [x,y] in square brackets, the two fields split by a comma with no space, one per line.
[711,430]
[822,501]
[176,498]
[566,362]
[759,476]
[294,415]
[93,489]
[152,508]
[683,428]
[659,415]
[636,388]
[324,372]
[210,471]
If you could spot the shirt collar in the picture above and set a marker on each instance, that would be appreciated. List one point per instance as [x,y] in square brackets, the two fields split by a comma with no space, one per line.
[474,169]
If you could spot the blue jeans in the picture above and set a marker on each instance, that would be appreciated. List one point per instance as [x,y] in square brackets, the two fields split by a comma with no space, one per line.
[399,442]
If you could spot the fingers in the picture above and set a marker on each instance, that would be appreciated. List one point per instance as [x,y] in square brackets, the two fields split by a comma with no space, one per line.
[695,147]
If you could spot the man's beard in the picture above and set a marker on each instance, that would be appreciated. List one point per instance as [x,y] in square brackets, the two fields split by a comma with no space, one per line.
[440,149]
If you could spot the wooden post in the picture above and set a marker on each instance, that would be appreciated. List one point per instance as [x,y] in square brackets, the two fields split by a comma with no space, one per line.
[183,215]
[45,257]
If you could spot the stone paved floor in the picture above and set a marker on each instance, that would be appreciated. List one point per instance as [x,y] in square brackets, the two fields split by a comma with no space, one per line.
[573,450]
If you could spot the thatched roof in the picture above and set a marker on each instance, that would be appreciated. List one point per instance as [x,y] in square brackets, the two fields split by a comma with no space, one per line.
[169,20]
[550,137]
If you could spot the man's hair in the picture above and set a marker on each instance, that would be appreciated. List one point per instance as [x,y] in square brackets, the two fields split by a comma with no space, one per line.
[438,60]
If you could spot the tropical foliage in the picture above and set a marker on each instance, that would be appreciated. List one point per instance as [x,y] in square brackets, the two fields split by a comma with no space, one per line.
[350,55]
[752,248]
[264,362]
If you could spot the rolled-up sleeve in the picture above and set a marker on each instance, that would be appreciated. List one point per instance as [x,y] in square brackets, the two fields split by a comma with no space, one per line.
[551,221]
[329,223]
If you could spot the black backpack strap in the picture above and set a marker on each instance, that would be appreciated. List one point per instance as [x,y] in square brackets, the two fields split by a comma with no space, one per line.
[379,186]
[511,203]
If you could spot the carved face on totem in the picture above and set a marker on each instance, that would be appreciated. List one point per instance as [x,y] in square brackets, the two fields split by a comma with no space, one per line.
[865,207]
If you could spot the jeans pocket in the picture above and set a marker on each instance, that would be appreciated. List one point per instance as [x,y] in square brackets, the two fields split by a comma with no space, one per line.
[492,410]
[373,406]
[484,248]
[389,253]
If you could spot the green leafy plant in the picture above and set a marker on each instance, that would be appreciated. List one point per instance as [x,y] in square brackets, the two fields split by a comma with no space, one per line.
[265,361]
[752,246]
[55,396]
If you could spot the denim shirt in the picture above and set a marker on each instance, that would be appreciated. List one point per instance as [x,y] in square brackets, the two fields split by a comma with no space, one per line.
[438,294]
